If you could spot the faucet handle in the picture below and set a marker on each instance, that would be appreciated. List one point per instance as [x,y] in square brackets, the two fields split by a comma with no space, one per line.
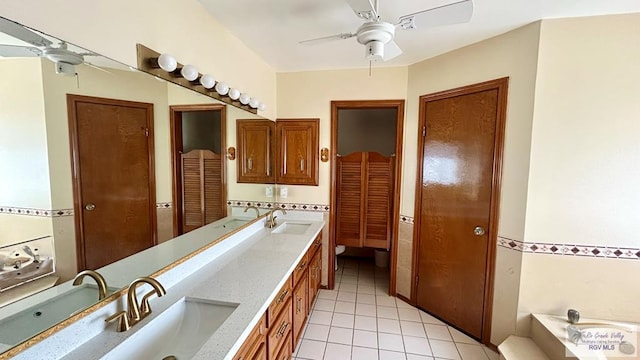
[145,307]
[123,321]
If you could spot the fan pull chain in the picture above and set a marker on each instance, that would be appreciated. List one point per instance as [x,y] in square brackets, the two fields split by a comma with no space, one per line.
[369,68]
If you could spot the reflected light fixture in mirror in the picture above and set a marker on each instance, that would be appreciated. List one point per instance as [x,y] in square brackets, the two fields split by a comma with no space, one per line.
[234,93]
[208,81]
[222,88]
[189,72]
[244,98]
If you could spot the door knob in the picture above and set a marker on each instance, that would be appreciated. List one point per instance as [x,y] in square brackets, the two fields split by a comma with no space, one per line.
[90,206]
[479,231]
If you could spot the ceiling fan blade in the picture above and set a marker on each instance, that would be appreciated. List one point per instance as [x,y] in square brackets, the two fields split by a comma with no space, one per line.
[324,39]
[97,67]
[454,13]
[19,51]
[364,9]
[18,31]
[391,50]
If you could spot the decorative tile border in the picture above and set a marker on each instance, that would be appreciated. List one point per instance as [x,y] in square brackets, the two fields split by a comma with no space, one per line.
[598,251]
[35,212]
[164,205]
[286,206]
[406,219]
[244,203]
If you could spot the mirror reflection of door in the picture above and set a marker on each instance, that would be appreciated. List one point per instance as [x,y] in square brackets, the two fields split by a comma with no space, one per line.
[114,178]
[198,145]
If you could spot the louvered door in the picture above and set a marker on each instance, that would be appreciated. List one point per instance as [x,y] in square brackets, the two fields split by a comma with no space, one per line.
[202,189]
[364,200]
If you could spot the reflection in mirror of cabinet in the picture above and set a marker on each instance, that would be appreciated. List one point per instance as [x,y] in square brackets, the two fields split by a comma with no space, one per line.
[297,155]
[255,146]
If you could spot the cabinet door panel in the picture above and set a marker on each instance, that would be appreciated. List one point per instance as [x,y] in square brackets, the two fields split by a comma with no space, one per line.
[299,307]
[297,151]
[255,149]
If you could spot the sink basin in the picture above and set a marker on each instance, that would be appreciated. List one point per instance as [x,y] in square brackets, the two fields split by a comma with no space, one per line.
[181,330]
[292,228]
[233,224]
[33,320]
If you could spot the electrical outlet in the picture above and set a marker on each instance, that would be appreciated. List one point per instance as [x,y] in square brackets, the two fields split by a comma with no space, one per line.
[268,191]
[284,192]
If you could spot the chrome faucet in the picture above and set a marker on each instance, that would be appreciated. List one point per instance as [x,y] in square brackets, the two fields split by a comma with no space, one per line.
[102,283]
[271,219]
[254,208]
[136,312]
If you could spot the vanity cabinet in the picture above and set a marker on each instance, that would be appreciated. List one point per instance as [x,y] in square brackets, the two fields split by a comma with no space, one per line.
[255,347]
[255,146]
[315,270]
[297,151]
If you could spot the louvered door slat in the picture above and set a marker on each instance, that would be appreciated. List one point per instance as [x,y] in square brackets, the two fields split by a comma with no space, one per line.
[213,197]
[379,199]
[191,191]
[349,195]
[202,189]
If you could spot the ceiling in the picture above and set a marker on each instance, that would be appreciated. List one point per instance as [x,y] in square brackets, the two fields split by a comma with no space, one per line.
[273,28]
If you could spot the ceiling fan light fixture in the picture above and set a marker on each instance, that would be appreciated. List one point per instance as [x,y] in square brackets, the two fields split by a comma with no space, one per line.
[374,51]
[62,55]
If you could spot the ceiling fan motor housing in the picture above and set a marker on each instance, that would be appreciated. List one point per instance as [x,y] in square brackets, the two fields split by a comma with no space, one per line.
[374,35]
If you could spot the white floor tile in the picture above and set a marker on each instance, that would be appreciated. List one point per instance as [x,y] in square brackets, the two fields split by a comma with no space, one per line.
[340,335]
[327,294]
[367,339]
[348,287]
[382,289]
[471,352]
[345,307]
[392,355]
[418,357]
[316,332]
[391,342]
[403,304]
[387,312]
[349,279]
[409,314]
[310,349]
[320,317]
[428,319]
[491,354]
[366,280]
[366,299]
[364,289]
[337,352]
[416,345]
[346,296]
[365,323]
[385,300]
[437,332]
[411,328]
[365,310]
[390,326]
[349,272]
[460,337]
[324,305]
[343,320]
[361,353]
[444,349]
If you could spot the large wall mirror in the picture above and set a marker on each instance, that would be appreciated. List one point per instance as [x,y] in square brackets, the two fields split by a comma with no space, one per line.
[45,110]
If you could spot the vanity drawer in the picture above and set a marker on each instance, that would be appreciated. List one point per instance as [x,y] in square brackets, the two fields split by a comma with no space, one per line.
[280,331]
[286,351]
[317,244]
[254,347]
[279,303]
[299,271]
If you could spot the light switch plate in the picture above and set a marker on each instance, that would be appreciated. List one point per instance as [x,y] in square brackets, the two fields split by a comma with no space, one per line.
[284,192]
[268,191]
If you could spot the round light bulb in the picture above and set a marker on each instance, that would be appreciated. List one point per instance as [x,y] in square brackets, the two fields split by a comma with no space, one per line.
[262,106]
[222,88]
[234,93]
[167,62]
[244,98]
[254,103]
[189,72]
[208,81]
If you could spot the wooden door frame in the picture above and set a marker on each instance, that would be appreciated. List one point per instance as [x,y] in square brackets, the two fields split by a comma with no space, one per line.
[72,99]
[501,85]
[398,105]
[175,117]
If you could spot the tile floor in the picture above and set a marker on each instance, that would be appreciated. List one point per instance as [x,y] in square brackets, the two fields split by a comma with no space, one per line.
[359,321]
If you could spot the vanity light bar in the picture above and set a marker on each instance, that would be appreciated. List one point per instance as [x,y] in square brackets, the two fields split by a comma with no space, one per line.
[167,67]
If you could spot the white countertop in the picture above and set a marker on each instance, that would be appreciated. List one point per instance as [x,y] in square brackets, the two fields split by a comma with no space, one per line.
[250,274]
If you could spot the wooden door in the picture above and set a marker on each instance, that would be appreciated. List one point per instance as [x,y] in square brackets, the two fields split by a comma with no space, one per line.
[460,158]
[350,187]
[379,200]
[255,149]
[114,181]
[298,150]
[202,187]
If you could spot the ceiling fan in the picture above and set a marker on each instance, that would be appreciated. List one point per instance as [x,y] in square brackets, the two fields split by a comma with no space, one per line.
[64,58]
[378,35]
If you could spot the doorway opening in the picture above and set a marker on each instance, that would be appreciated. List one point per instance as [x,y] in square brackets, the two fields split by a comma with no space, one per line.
[457,199]
[366,151]
[198,143]
[114,191]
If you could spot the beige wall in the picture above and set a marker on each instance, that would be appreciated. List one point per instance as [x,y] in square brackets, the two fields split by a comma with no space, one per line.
[184,29]
[309,95]
[583,183]
[16,228]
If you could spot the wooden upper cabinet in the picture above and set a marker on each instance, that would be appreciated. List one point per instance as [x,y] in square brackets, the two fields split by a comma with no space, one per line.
[255,148]
[297,151]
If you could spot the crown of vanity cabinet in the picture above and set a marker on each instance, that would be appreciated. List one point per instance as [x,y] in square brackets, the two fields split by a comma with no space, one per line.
[285,151]
[280,328]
